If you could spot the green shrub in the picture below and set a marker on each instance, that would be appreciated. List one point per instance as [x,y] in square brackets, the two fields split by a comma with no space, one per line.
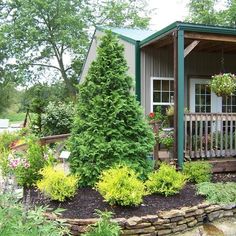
[4,163]
[6,139]
[109,124]
[165,181]
[220,193]
[198,171]
[141,169]
[120,185]
[26,165]
[104,227]
[56,184]
[57,118]
[15,221]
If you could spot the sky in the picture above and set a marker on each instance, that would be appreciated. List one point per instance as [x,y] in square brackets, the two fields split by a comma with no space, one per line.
[167,12]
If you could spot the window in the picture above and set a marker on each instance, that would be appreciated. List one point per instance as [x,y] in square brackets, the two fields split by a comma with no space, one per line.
[229,104]
[202,98]
[162,92]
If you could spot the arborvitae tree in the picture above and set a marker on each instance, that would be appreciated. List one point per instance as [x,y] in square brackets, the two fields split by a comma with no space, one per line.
[109,127]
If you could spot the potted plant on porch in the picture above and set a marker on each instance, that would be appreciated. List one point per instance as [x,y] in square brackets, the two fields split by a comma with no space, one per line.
[166,137]
[223,84]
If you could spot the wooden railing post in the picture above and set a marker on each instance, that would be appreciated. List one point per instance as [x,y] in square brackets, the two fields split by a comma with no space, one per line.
[210,134]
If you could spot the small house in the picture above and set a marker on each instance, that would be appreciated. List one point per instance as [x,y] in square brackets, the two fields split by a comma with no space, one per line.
[173,66]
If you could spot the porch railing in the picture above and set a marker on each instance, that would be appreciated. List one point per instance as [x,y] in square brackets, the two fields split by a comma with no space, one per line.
[210,135]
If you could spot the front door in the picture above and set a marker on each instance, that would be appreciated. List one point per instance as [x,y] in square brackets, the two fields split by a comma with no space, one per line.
[202,100]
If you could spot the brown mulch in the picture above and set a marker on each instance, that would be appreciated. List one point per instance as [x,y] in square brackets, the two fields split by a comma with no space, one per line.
[86,200]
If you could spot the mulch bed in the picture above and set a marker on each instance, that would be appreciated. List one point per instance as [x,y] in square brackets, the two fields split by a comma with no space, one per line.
[86,200]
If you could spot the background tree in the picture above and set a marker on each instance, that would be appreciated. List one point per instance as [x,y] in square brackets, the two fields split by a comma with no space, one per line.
[48,38]
[8,98]
[203,12]
[230,13]
[208,12]
[109,125]
[36,100]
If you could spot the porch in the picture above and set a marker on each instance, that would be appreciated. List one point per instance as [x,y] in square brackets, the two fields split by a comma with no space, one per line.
[209,135]
[176,66]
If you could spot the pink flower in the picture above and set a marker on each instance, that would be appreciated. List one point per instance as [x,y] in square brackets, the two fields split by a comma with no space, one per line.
[26,165]
[14,163]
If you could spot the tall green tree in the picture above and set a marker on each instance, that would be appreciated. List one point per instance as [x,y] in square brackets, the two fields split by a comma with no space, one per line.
[49,38]
[8,96]
[203,11]
[215,12]
[109,125]
[230,13]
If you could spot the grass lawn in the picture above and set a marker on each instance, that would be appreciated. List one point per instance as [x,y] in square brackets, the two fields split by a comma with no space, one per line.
[14,117]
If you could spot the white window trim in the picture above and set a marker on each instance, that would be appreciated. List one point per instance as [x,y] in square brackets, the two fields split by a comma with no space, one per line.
[216,102]
[159,103]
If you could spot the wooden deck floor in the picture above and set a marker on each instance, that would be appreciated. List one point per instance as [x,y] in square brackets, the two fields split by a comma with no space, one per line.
[223,165]
[220,165]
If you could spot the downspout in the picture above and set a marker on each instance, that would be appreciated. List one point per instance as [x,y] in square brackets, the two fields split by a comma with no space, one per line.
[137,71]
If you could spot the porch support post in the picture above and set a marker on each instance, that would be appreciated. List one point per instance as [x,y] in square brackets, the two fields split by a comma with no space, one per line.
[180,98]
[137,72]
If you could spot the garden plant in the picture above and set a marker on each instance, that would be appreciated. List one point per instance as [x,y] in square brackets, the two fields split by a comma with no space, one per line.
[109,125]
[56,184]
[166,181]
[104,227]
[198,171]
[121,186]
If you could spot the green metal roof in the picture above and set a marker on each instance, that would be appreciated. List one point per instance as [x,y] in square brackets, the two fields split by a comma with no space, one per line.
[213,29]
[146,36]
[128,34]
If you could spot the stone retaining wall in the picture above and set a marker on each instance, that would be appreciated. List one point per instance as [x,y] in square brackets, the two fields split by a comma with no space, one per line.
[164,222]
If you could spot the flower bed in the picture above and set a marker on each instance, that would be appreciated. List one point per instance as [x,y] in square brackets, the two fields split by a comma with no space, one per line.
[162,223]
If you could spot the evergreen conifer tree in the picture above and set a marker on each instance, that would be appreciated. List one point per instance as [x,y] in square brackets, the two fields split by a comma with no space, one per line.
[109,126]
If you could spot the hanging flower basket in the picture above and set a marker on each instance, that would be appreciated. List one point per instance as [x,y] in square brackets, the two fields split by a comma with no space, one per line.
[223,84]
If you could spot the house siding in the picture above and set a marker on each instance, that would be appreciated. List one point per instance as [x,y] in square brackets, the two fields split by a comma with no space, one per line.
[158,62]
[129,53]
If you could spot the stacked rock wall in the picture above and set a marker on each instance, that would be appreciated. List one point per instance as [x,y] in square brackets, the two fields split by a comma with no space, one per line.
[164,222]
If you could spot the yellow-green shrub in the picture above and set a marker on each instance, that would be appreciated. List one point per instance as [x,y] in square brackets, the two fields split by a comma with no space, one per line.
[198,171]
[120,185]
[166,181]
[56,184]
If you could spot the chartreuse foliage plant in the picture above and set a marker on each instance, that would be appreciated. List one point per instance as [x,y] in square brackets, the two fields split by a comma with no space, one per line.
[56,184]
[109,125]
[121,186]
[166,181]
[220,193]
[104,227]
[198,171]
[15,221]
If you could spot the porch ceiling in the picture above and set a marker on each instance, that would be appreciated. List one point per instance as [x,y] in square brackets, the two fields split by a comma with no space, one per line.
[213,46]
[205,44]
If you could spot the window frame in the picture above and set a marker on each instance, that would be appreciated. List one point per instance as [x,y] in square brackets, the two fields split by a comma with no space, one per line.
[152,91]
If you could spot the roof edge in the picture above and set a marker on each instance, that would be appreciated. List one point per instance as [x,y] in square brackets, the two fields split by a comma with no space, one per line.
[213,29]
[125,38]
[159,33]
[201,28]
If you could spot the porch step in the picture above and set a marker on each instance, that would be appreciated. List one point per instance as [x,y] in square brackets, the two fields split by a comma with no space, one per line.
[223,165]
